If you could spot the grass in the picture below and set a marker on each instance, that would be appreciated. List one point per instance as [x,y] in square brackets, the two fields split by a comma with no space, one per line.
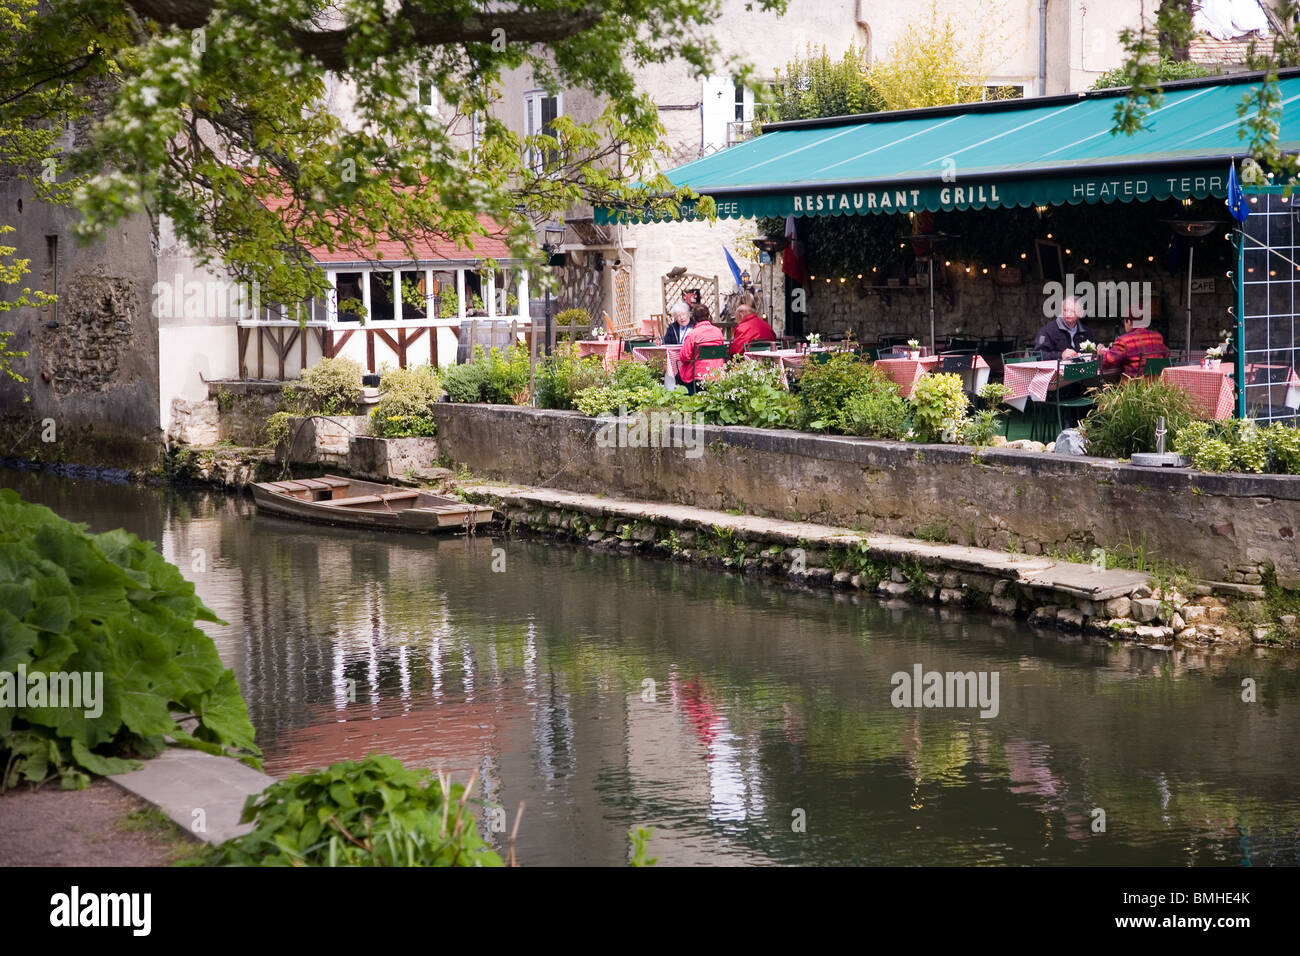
[158,827]
[935,531]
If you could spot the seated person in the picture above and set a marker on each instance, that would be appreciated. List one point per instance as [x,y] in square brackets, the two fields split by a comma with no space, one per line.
[691,370]
[679,323]
[750,327]
[1131,350]
[1060,338]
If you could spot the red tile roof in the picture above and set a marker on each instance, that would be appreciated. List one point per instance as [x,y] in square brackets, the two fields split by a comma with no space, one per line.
[429,247]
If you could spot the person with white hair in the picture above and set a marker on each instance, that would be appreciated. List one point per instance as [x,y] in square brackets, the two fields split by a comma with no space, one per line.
[680,323]
[1061,337]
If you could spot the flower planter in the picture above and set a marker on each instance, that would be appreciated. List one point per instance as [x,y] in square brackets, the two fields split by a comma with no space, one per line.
[1211,363]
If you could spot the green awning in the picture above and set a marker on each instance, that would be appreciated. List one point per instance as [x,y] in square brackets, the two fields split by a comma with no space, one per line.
[1042,151]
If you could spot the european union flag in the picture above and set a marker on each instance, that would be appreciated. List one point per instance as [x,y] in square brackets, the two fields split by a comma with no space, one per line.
[1236,200]
[735,269]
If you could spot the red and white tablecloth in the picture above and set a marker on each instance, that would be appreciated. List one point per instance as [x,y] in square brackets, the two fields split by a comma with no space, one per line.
[906,372]
[1028,380]
[669,352]
[787,360]
[610,350]
[1210,389]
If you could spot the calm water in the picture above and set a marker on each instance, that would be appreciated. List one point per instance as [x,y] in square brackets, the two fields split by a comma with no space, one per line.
[767,705]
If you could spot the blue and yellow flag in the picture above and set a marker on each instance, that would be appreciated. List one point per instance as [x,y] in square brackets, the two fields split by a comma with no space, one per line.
[1236,201]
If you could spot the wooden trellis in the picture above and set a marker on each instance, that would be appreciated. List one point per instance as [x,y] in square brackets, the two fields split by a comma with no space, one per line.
[674,286]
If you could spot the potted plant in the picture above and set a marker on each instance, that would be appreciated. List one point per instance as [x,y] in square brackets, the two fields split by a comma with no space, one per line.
[814,339]
[1213,357]
[598,332]
[913,349]
[1087,347]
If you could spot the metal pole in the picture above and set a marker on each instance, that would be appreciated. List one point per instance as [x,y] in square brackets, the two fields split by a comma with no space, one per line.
[1191,250]
[548,321]
[931,271]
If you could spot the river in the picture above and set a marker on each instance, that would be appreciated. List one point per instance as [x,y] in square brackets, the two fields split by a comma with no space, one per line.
[747,722]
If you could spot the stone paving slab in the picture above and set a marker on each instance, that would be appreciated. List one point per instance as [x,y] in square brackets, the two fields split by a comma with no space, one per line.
[1081,580]
[179,781]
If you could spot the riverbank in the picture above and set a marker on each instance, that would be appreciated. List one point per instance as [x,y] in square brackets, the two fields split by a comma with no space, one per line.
[1119,603]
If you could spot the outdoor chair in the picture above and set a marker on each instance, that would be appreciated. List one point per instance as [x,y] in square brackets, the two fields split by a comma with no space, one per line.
[1154,366]
[1022,355]
[888,340]
[962,344]
[710,352]
[957,362]
[765,346]
[1073,373]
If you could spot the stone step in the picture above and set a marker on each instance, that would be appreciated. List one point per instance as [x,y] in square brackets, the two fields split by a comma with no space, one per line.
[1076,580]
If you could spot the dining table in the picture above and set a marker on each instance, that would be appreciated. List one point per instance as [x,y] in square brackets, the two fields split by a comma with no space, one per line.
[1027,380]
[1211,390]
[787,360]
[906,372]
[644,353]
[610,349]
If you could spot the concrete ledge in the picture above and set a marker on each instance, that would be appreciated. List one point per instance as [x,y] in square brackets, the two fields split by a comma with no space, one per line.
[180,781]
[1074,580]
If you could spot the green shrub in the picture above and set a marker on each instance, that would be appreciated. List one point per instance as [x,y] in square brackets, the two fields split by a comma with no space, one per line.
[979,429]
[373,812]
[580,318]
[824,390]
[1213,454]
[505,375]
[1124,420]
[464,383]
[614,399]
[1251,451]
[406,402]
[939,406]
[745,393]
[877,411]
[103,604]
[563,375]
[1284,448]
[330,387]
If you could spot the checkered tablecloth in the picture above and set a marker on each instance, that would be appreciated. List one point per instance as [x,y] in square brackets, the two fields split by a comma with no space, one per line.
[610,350]
[1028,380]
[1210,389]
[787,360]
[669,352]
[905,373]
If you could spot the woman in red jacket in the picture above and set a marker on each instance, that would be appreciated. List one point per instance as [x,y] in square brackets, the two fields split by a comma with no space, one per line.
[691,369]
[750,327]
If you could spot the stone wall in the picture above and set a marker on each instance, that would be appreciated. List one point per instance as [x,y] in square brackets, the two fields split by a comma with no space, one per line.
[1224,527]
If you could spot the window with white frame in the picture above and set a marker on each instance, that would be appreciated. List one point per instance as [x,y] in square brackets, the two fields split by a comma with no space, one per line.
[540,111]
[426,95]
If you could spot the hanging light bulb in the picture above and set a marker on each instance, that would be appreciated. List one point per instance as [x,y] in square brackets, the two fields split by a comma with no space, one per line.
[1151,258]
[1049,235]
[812,278]
[859,275]
[1085,260]
[1128,265]
[1024,255]
[1067,252]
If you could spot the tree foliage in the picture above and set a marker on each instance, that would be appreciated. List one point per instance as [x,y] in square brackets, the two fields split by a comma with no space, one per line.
[816,85]
[215,114]
[1167,35]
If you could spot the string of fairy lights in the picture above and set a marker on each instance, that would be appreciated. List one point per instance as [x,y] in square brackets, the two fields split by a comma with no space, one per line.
[970,268]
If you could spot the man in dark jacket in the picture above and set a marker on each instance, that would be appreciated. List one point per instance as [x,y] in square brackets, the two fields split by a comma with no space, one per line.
[1060,338]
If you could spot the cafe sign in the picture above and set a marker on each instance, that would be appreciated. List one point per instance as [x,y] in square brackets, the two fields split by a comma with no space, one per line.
[813,201]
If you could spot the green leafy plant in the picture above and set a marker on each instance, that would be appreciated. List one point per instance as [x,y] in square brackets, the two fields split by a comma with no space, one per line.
[877,411]
[505,375]
[1124,419]
[406,402]
[745,393]
[1240,445]
[640,838]
[939,406]
[579,318]
[372,812]
[825,389]
[330,387]
[464,383]
[104,604]
[564,374]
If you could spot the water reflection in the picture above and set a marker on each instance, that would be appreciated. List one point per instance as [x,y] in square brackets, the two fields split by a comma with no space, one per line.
[610,692]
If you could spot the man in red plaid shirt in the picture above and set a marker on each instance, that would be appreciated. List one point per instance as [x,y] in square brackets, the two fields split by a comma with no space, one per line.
[1131,350]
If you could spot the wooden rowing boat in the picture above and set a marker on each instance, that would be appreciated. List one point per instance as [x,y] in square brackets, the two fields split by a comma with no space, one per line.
[366,504]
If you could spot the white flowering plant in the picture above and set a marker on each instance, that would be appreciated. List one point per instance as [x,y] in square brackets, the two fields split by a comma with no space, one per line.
[1214,353]
[598,331]
[1087,346]
[814,339]
[913,344]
